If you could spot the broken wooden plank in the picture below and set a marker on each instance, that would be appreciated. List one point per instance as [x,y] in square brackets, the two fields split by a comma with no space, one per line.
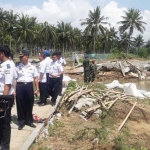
[77,95]
[93,108]
[140,107]
[75,101]
[113,102]
[122,69]
[124,121]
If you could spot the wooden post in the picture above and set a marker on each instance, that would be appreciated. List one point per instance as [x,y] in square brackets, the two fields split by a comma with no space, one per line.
[122,124]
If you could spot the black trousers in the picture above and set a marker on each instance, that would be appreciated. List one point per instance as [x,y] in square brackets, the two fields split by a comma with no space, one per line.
[24,101]
[43,93]
[60,85]
[5,130]
[53,87]
[47,77]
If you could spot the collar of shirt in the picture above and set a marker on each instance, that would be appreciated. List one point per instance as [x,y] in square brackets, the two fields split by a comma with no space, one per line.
[22,65]
[5,62]
[54,62]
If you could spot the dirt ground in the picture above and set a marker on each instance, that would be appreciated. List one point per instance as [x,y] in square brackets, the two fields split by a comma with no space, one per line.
[73,133]
[69,134]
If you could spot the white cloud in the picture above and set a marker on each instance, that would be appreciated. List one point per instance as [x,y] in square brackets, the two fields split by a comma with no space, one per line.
[114,13]
[72,11]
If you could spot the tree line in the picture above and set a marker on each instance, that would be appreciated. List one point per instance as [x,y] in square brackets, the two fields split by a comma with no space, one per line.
[22,31]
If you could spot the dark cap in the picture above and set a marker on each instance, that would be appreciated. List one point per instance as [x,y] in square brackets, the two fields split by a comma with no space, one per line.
[47,53]
[24,53]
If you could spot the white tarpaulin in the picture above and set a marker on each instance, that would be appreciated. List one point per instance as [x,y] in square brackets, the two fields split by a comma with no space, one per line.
[128,88]
[131,89]
[67,78]
[114,84]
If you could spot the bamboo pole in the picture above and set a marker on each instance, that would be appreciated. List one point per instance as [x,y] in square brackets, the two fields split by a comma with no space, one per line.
[124,121]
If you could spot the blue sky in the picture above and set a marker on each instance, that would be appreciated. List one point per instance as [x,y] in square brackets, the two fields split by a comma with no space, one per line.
[24,2]
[73,11]
[139,4]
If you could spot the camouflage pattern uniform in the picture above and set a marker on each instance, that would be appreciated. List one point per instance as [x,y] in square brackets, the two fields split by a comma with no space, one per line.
[86,64]
[93,71]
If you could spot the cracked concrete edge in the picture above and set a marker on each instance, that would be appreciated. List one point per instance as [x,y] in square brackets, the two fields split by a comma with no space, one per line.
[29,141]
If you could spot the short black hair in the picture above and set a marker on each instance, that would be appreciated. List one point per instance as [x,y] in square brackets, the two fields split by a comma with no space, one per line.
[5,49]
[11,55]
[54,54]
[59,53]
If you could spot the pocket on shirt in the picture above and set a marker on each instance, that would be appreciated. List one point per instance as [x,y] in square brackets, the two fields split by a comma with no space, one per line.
[30,73]
[21,73]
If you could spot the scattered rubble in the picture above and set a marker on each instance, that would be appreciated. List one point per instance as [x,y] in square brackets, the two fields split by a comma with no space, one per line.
[125,67]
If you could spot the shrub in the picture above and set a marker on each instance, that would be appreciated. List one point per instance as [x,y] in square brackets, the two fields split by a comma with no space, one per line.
[143,53]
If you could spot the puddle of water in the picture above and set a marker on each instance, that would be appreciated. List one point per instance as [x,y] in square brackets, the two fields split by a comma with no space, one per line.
[143,85]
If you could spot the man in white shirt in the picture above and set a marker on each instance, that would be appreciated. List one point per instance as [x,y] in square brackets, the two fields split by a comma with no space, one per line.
[61,61]
[42,79]
[11,59]
[26,75]
[48,60]
[56,70]
[6,97]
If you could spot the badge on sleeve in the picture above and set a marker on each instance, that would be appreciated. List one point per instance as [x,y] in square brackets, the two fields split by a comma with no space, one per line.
[7,72]
[8,66]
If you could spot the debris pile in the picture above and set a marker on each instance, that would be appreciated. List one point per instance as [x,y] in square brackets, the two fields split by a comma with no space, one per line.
[88,101]
[129,89]
[125,67]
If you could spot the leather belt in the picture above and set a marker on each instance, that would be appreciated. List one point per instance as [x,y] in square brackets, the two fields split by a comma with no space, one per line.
[24,83]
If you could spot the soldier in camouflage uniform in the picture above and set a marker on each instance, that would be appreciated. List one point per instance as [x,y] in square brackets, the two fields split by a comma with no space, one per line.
[86,64]
[93,70]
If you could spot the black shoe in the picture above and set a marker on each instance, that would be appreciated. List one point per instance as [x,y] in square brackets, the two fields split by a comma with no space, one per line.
[20,127]
[60,94]
[43,104]
[39,102]
[53,103]
[32,125]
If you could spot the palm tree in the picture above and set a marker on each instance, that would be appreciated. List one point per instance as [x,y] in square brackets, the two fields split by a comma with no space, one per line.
[132,20]
[113,37]
[94,24]
[125,41]
[76,38]
[47,34]
[12,20]
[25,29]
[3,23]
[63,31]
[138,41]
[106,37]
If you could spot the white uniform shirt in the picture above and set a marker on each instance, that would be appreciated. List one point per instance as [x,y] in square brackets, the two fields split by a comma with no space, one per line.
[61,61]
[48,60]
[42,69]
[15,73]
[12,63]
[6,76]
[55,69]
[26,73]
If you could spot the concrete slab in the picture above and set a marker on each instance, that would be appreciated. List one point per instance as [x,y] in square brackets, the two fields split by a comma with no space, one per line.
[22,139]
[18,137]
